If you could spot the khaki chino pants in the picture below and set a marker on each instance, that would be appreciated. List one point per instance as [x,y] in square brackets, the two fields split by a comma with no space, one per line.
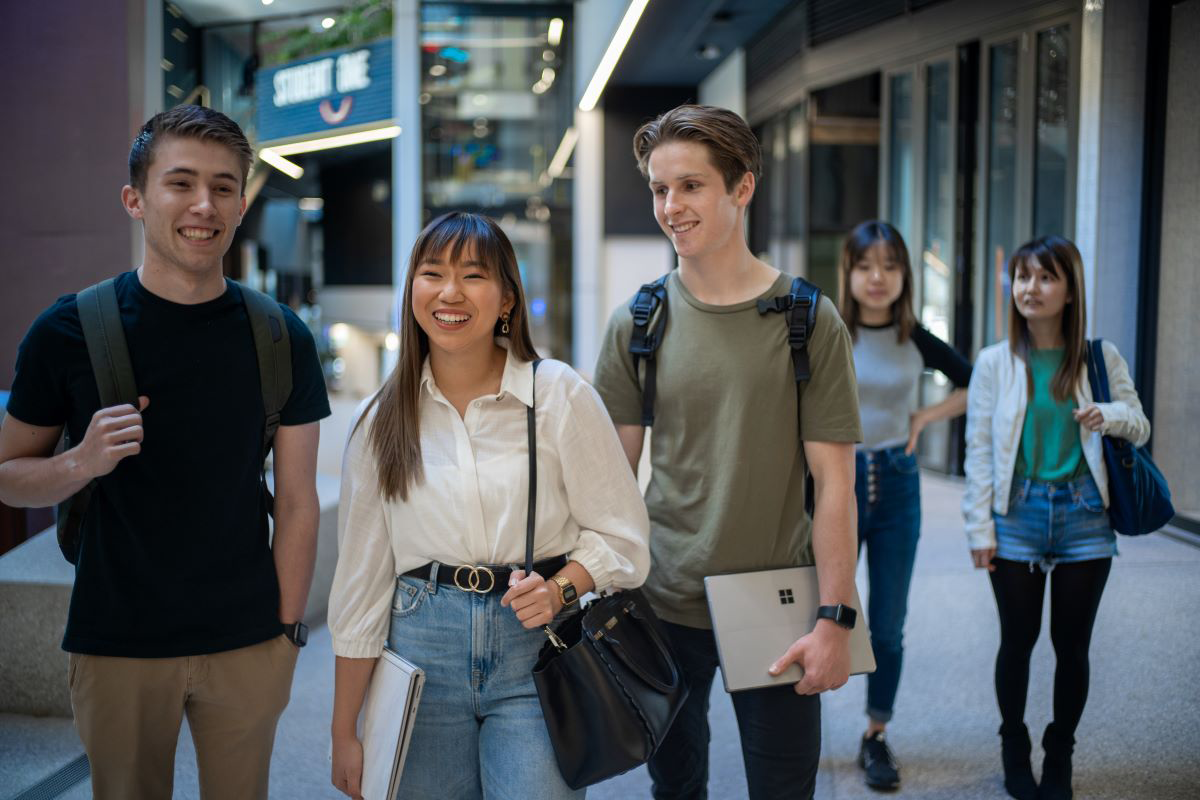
[128,712]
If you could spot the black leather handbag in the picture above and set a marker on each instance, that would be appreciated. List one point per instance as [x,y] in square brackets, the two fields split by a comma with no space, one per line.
[607,680]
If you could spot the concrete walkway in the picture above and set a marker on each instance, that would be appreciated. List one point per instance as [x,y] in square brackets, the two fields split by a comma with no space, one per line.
[1138,738]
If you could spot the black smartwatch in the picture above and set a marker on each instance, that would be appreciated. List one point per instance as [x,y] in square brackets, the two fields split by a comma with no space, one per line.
[297,632]
[841,614]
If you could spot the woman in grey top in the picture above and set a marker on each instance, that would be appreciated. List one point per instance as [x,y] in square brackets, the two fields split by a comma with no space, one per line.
[891,350]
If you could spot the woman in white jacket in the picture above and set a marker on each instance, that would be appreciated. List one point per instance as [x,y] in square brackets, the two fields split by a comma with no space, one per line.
[1036,495]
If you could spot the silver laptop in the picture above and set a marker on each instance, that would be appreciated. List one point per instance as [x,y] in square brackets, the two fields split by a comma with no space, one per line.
[388,716]
[757,616]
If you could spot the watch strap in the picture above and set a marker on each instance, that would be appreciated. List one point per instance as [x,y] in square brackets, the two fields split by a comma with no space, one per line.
[841,614]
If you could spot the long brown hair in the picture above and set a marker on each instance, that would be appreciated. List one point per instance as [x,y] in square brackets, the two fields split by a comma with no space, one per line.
[395,431]
[1061,258]
[862,238]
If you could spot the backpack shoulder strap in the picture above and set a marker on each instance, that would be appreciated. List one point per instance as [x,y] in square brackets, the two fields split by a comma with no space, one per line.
[649,310]
[799,307]
[274,350]
[100,318]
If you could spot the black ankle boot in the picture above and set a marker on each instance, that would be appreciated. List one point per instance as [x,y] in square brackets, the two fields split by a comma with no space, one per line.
[1014,754]
[1056,768]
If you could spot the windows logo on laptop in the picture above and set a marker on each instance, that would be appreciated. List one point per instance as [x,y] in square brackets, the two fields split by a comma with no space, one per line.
[785,597]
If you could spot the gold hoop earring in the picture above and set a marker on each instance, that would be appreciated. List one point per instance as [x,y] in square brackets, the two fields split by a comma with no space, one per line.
[504,326]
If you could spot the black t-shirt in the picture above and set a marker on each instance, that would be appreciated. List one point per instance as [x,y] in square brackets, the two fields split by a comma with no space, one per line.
[175,558]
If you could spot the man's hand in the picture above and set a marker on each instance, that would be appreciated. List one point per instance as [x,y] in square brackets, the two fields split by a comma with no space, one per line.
[113,434]
[824,655]
[532,598]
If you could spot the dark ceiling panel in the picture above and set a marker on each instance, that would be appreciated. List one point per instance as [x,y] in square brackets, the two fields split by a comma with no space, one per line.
[665,46]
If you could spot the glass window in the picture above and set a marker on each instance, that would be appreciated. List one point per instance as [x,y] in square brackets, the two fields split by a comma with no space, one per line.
[936,254]
[1001,188]
[900,146]
[496,105]
[1052,135]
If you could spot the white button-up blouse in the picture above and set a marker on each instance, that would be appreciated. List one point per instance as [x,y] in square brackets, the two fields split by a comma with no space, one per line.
[471,506]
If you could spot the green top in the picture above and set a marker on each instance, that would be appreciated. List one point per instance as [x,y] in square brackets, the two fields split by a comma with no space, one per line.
[726,489]
[1051,448]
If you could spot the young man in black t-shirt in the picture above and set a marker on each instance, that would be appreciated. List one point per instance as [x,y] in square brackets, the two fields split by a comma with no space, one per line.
[182,605]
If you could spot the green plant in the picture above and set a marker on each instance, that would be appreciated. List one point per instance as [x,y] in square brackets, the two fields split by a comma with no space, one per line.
[365,21]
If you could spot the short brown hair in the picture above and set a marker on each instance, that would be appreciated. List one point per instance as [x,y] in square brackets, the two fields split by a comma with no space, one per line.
[188,122]
[732,146]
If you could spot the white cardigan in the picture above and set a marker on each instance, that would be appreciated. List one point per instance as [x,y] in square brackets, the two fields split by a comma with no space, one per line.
[996,403]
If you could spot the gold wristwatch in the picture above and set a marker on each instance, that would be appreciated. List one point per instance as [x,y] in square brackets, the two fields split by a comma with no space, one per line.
[566,590]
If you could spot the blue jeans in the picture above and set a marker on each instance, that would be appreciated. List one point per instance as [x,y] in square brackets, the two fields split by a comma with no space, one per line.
[479,730]
[887,487]
[780,731]
[1054,523]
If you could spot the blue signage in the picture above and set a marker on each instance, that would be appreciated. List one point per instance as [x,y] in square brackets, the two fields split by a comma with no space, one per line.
[338,89]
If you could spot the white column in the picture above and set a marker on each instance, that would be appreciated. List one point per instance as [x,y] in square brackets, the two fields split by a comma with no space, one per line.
[406,148]
[588,244]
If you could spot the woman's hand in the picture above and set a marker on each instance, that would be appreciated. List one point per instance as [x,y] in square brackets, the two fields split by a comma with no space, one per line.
[532,598]
[348,766]
[1089,417]
[982,558]
[916,424]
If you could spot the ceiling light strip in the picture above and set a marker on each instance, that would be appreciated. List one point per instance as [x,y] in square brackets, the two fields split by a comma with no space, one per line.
[340,140]
[292,170]
[612,55]
[563,154]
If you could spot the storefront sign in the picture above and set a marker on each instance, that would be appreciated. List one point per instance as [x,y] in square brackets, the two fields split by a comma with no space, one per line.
[330,91]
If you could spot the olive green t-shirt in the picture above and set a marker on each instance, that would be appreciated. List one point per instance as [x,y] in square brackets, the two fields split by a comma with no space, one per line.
[726,489]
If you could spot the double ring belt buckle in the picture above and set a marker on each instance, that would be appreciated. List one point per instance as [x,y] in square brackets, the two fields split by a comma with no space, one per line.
[474,579]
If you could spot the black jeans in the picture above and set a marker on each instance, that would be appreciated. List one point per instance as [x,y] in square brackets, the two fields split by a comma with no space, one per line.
[780,731]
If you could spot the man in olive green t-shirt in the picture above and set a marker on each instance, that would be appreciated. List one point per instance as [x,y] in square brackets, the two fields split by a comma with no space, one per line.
[729,449]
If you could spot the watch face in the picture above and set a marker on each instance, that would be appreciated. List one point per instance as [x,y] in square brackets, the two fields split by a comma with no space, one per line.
[569,594]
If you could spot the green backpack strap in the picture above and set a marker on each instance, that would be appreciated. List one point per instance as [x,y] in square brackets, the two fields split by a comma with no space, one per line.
[274,350]
[104,335]
[100,318]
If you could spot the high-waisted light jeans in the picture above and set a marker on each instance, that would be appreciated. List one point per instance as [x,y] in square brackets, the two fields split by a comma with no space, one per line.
[479,730]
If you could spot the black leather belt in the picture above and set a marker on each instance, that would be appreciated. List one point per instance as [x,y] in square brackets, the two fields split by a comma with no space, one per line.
[483,579]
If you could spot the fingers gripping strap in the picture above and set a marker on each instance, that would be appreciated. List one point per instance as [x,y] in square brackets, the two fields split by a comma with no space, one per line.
[100,318]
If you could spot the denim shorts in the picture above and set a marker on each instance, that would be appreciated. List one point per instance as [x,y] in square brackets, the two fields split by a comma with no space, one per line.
[1054,523]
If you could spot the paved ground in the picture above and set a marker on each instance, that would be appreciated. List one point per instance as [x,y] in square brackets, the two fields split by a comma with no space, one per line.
[1138,738]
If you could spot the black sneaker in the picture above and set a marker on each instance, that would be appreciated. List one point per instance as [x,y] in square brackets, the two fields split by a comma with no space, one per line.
[876,758]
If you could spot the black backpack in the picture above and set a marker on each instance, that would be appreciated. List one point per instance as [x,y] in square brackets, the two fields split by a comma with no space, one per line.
[113,370]
[649,309]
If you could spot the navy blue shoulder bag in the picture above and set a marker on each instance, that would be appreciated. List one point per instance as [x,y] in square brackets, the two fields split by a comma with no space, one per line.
[1138,498]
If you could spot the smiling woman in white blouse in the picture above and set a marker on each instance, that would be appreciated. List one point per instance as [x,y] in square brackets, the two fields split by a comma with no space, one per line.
[432,524]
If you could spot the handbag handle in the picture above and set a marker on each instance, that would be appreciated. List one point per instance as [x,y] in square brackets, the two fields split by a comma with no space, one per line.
[619,650]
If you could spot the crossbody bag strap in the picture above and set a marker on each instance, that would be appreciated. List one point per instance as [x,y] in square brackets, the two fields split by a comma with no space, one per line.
[531,514]
[1098,372]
